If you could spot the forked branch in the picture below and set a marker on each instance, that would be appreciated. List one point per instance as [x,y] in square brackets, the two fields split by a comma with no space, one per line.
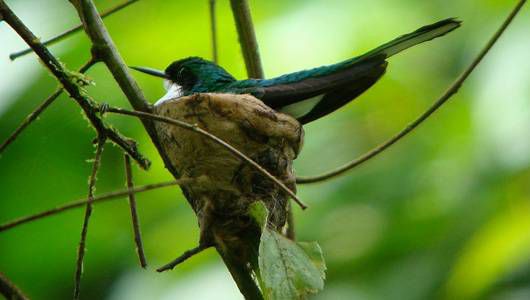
[71,84]
[103,48]
[39,110]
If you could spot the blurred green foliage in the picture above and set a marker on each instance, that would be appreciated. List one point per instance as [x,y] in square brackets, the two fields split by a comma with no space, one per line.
[444,214]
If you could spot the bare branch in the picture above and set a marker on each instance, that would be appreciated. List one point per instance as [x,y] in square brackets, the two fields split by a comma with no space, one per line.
[453,89]
[182,258]
[72,30]
[103,47]
[40,109]
[134,214]
[213,29]
[71,85]
[212,137]
[9,289]
[82,202]
[88,212]
[247,38]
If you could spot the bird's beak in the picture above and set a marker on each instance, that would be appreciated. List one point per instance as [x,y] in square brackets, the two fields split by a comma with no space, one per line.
[150,71]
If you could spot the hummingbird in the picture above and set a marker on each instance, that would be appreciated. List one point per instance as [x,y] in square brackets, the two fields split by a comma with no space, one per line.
[305,95]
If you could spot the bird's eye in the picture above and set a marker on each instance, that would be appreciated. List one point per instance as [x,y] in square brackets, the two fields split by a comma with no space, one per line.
[167,84]
[180,74]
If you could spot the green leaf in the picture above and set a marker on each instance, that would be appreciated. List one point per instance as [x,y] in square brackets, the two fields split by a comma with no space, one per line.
[259,212]
[289,270]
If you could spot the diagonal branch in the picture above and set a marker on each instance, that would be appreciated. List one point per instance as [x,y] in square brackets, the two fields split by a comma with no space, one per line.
[71,31]
[88,211]
[134,213]
[453,89]
[8,289]
[217,140]
[247,38]
[182,258]
[30,118]
[39,110]
[82,202]
[70,83]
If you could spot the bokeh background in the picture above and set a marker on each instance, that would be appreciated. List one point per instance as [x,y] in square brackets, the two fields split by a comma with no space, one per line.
[445,214]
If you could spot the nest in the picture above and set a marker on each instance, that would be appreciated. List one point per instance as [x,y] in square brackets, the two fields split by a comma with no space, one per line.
[223,185]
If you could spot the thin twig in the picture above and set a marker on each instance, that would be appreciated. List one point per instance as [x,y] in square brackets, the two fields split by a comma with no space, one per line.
[72,30]
[70,83]
[212,137]
[183,258]
[453,89]
[247,38]
[40,109]
[213,29]
[9,289]
[134,214]
[88,212]
[82,202]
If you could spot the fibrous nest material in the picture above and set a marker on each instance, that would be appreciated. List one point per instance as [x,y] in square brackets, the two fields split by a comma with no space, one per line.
[224,184]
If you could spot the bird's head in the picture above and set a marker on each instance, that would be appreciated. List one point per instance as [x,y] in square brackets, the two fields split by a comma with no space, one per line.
[188,75]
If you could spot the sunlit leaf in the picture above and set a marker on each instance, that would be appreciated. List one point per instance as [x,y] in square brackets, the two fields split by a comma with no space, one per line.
[287,271]
[313,250]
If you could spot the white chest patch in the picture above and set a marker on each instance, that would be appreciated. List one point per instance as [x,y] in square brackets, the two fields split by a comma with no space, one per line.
[301,108]
[173,91]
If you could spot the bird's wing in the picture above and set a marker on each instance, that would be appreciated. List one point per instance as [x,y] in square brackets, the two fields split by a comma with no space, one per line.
[314,97]
[311,94]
